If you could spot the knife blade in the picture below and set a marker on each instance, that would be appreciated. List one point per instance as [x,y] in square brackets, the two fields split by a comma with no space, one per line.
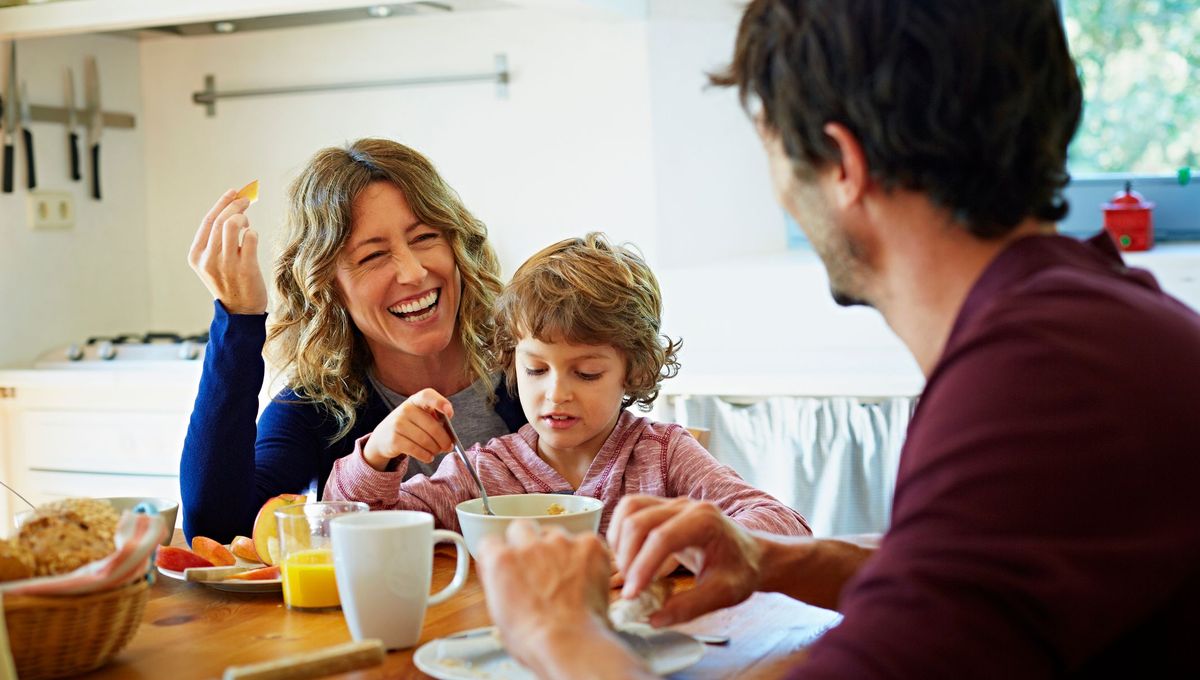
[91,84]
[72,124]
[10,117]
[27,133]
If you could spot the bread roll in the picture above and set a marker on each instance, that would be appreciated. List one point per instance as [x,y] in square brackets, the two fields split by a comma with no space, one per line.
[16,562]
[652,598]
[62,543]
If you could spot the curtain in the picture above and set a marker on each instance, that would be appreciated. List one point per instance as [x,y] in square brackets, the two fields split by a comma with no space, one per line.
[833,459]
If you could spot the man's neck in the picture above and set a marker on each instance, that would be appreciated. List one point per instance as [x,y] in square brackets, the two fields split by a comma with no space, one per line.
[928,268]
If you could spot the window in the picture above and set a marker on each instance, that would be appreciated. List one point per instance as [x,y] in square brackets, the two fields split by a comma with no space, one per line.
[1140,65]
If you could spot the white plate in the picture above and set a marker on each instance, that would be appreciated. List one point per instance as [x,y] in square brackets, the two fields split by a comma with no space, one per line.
[477,653]
[270,585]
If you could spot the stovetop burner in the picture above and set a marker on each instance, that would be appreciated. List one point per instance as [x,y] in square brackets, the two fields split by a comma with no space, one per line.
[133,350]
[148,338]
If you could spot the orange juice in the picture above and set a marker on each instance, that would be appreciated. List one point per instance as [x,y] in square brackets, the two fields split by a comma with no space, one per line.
[308,579]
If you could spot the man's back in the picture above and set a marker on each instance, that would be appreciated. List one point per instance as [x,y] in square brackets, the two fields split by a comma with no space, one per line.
[1044,521]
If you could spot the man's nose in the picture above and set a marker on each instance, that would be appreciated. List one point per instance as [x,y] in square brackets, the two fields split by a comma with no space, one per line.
[408,268]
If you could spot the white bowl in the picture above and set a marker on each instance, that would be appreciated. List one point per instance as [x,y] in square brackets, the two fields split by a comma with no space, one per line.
[168,508]
[582,515]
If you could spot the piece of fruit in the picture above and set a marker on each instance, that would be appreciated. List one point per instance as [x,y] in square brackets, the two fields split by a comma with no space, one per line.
[212,551]
[260,574]
[266,528]
[243,547]
[174,558]
[249,192]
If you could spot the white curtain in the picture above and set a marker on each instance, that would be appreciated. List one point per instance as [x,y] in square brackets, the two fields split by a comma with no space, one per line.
[832,459]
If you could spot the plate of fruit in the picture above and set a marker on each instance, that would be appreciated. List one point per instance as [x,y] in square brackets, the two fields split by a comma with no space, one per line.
[245,565]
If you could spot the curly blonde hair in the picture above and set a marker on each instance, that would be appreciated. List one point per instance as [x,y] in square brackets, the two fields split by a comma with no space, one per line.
[587,291]
[311,337]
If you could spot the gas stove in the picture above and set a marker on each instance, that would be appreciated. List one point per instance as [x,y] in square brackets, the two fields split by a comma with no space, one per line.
[129,350]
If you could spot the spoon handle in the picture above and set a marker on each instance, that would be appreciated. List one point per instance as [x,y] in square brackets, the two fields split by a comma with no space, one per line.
[462,456]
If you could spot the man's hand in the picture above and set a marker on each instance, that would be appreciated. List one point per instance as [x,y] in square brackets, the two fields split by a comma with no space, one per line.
[414,429]
[646,531]
[547,594]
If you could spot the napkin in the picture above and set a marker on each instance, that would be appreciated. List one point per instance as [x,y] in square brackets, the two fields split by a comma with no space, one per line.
[136,537]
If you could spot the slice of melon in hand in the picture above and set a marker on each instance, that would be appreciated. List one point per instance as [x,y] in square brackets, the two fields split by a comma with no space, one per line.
[249,192]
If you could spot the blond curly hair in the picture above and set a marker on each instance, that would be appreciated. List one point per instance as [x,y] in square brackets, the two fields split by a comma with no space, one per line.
[311,338]
[588,291]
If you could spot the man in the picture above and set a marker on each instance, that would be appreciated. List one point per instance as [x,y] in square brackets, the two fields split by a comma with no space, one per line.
[1044,522]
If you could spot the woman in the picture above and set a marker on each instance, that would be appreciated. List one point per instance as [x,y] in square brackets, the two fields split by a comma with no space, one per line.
[385,284]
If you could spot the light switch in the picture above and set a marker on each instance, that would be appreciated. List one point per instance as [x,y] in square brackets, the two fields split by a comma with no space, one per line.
[51,209]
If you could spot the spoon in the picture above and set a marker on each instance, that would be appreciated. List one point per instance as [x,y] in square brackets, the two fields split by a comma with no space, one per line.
[19,495]
[462,455]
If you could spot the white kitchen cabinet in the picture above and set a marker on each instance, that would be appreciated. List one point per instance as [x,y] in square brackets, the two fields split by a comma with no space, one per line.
[52,18]
[93,433]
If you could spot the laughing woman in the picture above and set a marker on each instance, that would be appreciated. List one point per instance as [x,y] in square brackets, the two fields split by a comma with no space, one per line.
[384,286]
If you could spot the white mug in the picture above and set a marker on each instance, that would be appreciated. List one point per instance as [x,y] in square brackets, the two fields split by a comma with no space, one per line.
[384,566]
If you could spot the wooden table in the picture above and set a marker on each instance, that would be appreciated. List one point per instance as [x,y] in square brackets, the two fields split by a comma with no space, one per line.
[192,631]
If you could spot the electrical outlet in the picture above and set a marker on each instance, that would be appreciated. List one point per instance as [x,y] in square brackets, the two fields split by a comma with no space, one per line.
[51,209]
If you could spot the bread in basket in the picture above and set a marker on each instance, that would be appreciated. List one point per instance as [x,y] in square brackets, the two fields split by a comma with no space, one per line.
[56,636]
[89,589]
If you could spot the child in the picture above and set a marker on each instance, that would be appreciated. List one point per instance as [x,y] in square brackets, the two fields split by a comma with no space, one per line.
[578,335]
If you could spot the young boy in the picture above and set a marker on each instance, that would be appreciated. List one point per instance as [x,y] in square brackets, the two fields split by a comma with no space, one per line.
[578,335]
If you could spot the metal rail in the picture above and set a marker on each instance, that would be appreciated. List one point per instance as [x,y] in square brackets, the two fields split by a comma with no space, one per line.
[209,95]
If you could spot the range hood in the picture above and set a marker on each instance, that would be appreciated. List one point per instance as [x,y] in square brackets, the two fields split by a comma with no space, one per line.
[329,16]
[47,18]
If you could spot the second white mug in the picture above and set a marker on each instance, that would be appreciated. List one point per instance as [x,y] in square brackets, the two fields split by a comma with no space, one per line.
[383,561]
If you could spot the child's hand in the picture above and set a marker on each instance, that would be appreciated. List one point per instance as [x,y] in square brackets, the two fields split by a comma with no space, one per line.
[412,429]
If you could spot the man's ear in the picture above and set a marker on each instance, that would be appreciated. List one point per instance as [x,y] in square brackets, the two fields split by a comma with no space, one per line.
[851,175]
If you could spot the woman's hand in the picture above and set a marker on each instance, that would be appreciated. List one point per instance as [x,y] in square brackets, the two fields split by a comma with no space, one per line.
[414,429]
[224,255]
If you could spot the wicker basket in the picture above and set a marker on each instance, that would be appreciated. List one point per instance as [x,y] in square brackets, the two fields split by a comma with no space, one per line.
[57,636]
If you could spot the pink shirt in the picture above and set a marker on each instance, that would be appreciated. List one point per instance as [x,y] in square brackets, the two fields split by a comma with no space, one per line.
[640,456]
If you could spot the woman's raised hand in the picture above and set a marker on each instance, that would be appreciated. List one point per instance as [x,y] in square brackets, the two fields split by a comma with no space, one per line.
[224,255]
[412,429]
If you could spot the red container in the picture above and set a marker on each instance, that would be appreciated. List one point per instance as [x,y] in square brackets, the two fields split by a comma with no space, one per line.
[1128,219]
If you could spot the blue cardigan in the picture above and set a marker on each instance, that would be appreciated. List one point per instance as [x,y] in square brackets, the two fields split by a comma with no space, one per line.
[230,467]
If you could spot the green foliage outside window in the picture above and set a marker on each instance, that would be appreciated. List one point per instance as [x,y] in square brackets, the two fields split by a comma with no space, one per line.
[1140,64]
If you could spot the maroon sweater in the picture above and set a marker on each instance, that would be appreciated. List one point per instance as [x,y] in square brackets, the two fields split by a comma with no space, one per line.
[1046,522]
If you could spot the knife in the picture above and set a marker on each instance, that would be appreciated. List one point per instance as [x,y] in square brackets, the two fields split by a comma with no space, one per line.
[91,86]
[26,121]
[10,117]
[72,124]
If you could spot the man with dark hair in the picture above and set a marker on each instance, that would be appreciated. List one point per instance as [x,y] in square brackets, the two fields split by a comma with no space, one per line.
[1044,522]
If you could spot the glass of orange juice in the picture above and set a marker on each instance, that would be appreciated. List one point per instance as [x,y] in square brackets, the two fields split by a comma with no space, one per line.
[305,553]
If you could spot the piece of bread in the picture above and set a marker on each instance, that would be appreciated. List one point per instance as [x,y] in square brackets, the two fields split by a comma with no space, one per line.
[16,562]
[62,543]
[639,609]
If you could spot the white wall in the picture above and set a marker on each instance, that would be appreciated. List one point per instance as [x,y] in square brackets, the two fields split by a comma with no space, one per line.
[58,286]
[568,151]
[711,182]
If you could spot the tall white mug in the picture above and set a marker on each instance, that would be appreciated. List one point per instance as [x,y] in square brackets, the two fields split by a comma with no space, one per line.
[384,566]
